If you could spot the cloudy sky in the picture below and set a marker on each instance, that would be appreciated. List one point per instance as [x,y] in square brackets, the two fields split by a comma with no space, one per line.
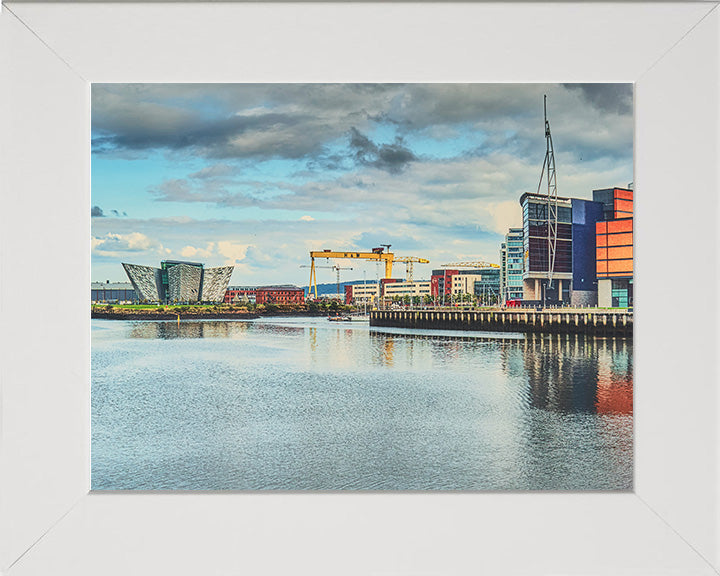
[258,175]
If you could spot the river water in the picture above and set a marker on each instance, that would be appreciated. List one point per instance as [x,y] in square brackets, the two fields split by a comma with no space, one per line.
[307,404]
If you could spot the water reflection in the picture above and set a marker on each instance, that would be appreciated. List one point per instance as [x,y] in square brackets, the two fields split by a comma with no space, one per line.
[186,329]
[304,403]
[564,373]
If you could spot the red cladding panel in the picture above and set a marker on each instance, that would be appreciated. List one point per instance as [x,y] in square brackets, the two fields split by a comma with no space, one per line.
[620,266]
[624,225]
[623,194]
[621,253]
[623,206]
[620,239]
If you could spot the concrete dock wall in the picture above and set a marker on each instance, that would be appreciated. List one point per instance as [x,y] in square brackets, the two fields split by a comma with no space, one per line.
[601,323]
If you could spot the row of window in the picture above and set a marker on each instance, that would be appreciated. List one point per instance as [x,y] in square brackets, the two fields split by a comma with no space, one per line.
[614,226]
[616,253]
[533,211]
[614,267]
[602,240]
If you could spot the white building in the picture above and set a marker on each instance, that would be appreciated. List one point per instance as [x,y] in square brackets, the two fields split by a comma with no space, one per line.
[364,293]
[465,283]
[401,289]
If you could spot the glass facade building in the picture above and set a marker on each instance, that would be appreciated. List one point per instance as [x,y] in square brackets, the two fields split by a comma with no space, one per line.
[487,288]
[538,238]
[511,265]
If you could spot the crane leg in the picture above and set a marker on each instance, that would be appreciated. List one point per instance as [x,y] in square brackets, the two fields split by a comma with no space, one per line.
[313,279]
[388,268]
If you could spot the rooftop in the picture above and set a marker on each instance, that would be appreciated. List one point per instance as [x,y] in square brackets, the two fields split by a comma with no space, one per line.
[541,197]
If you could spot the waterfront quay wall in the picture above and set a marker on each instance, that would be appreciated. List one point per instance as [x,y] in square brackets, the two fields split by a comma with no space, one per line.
[581,321]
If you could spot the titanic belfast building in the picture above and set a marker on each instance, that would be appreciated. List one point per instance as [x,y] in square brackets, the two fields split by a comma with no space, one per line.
[177,281]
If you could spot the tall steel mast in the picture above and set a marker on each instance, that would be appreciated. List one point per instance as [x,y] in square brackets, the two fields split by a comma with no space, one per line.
[552,202]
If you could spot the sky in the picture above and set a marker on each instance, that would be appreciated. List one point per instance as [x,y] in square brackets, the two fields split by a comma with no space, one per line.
[258,175]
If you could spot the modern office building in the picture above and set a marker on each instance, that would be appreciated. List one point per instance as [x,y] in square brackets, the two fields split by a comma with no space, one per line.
[592,252]
[359,294]
[401,289]
[617,202]
[585,215]
[441,284]
[511,266]
[111,292]
[177,281]
[487,287]
[614,247]
[449,285]
[547,265]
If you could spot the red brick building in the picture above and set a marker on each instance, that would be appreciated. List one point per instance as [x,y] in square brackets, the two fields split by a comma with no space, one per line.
[279,295]
[239,293]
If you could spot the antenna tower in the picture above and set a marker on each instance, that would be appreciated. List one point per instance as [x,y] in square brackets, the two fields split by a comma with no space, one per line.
[552,202]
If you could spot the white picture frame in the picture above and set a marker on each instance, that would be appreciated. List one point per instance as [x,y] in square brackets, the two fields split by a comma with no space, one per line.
[51,524]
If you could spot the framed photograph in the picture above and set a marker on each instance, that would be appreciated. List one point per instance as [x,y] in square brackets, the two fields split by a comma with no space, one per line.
[460,333]
[52,59]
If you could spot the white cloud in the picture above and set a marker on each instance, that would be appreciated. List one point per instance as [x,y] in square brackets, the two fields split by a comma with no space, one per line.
[193,252]
[112,244]
[233,253]
[505,215]
[307,218]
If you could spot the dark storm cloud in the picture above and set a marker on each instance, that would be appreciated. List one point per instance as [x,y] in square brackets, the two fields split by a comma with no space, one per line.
[614,98]
[338,127]
[392,158]
[97,212]
[270,134]
[229,121]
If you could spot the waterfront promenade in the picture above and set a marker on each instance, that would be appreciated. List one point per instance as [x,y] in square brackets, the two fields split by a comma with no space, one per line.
[562,320]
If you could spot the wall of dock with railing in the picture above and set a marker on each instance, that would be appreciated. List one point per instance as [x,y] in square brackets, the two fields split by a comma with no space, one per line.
[580,321]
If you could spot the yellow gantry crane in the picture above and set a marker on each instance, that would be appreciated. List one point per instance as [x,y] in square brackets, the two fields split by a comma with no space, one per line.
[334,267]
[409,261]
[377,254]
[470,265]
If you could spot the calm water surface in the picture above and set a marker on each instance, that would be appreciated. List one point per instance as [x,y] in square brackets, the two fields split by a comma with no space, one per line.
[303,403]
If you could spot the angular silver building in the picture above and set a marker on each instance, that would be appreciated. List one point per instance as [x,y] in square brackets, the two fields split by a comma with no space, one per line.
[215,283]
[146,281]
[184,283]
[177,281]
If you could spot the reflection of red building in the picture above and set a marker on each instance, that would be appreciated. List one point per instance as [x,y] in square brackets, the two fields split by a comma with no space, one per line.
[280,295]
[614,397]
[614,247]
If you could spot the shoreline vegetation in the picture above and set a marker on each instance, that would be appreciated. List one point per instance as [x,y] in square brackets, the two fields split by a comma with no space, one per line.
[252,311]
[214,311]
